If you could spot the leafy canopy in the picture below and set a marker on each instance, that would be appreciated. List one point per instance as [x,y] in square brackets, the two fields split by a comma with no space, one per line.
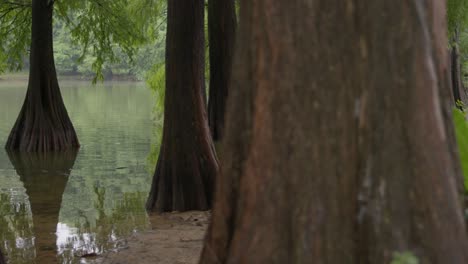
[99,27]
[15,32]
[457,15]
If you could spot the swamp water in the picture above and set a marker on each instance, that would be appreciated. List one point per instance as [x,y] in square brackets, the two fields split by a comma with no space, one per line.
[59,207]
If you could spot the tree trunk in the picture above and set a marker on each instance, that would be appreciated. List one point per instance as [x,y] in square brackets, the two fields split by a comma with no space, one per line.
[222,29]
[44,176]
[187,163]
[438,23]
[459,93]
[43,123]
[335,148]
[2,258]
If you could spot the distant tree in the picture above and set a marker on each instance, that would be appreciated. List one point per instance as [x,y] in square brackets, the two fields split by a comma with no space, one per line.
[335,148]
[43,123]
[2,258]
[457,21]
[222,25]
[187,164]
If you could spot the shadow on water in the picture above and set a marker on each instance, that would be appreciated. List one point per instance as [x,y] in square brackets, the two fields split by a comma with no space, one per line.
[44,176]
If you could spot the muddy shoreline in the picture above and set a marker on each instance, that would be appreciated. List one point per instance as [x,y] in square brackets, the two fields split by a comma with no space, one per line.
[175,238]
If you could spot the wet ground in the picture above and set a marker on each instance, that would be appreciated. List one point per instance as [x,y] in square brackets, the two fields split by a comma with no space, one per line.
[175,238]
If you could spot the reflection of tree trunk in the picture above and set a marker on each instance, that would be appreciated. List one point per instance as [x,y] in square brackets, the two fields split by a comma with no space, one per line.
[45,177]
[43,123]
[187,163]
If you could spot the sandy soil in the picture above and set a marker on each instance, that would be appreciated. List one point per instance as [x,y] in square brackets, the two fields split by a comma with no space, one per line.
[175,238]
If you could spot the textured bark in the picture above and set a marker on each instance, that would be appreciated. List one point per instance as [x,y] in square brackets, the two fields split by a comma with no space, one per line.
[44,176]
[43,123]
[222,28]
[187,163]
[336,148]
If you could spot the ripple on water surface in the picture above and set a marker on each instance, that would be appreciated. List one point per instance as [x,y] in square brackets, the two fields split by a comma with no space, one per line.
[56,208]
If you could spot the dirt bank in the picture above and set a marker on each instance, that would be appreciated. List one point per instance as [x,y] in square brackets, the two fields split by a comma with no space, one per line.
[175,238]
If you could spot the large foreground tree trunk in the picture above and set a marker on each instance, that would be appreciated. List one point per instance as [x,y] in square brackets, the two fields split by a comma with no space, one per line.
[44,176]
[43,123]
[222,29]
[336,149]
[187,163]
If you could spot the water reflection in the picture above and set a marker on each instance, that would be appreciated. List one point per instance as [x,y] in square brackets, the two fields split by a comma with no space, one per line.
[92,236]
[16,228]
[44,176]
[104,196]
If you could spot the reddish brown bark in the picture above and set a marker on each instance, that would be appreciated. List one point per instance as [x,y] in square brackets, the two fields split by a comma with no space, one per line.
[187,163]
[43,123]
[222,29]
[336,149]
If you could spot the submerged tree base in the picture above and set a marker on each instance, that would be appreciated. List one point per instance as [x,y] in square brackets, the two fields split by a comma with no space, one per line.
[42,128]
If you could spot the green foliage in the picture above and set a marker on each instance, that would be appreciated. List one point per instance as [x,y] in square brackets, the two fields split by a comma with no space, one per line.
[404,258]
[463,53]
[68,59]
[66,54]
[457,15]
[457,22]
[100,26]
[461,131]
[15,33]
[156,81]
[150,16]
[99,34]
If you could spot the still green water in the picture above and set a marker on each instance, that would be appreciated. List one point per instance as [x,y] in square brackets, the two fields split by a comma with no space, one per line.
[58,207]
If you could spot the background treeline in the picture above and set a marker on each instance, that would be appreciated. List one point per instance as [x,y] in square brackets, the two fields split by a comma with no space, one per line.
[69,59]
[92,39]
[463,45]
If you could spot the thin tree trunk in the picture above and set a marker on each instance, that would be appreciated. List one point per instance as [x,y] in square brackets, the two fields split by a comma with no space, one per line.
[459,93]
[187,163]
[43,123]
[222,28]
[438,23]
[336,149]
[2,258]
